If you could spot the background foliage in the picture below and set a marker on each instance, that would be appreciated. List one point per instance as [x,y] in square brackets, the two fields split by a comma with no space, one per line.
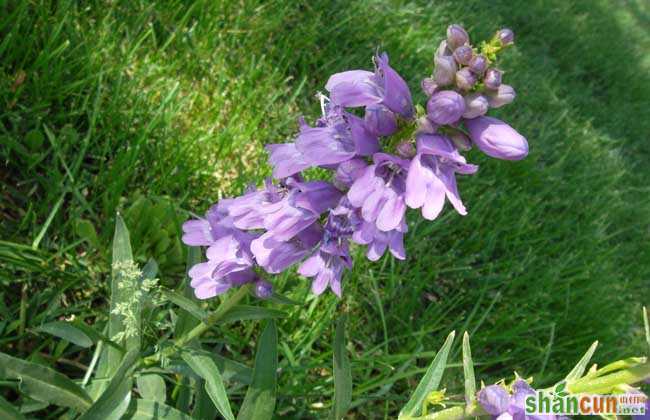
[158,109]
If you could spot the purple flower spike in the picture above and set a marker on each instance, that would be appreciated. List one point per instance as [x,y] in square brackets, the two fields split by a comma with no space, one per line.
[496,138]
[380,121]
[431,176]
[445,107]
[363,88]
[379,192]
[456,36]
[494,399]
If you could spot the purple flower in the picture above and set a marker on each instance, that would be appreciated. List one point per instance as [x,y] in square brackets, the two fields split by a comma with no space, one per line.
[502,96]
[496,138]
[476,104]
[378,241]
[248,210]
[478,64]
[445,107]
[496,401]
[363,88]
[492,79]
[463,54]
[431,176]
[286,159]
[275,256]
[263,289]
[506,36]
[444,72]
[465,79]
[379,192]
[380,120]
[347,172]
[456,36]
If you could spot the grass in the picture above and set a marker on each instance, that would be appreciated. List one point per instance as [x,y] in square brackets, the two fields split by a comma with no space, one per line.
[171,103]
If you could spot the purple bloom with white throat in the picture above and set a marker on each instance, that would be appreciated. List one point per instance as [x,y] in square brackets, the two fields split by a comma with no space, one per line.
[496,138]
[379,192]
[356,88]
[275,256]
[432,176]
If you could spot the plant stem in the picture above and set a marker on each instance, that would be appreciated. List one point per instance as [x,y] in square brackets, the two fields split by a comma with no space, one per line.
[605,384]
[205,325]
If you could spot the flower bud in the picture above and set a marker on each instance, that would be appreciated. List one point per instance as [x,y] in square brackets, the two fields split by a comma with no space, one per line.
[406,150]
[502,96]
[465,79]
[379,120]
[445,70]
[456,36]
[463,54]
[426,126]
[429,86]
[445,107]
[476,104]
[506,36]
[496,138]
[262,289]
[347,172]
[478,64]
[460,140]
[492,79]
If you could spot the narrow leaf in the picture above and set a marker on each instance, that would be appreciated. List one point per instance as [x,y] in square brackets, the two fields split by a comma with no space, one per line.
[8,411]
[66,331]
[249,312]
[44,384]
[205,367]
[579,368]
[153,410]
[259,402]
[185,321]
[646,324]
[111,404]
[152,387]
[185,303]
[468,371]
[342,372]
[429,382]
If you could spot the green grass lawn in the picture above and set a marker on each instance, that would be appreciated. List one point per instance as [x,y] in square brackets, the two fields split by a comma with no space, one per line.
[168,105]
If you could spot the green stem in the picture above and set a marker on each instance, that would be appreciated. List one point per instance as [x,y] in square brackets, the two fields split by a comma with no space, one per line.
[605,384]
[205,325]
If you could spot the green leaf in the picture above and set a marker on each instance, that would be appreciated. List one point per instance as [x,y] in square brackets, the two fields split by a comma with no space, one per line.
[152,387]
[282,300]
[342,372]
[44,384]
[185,303]
[185,321]
[8,411]
[34,139]
[86,231]
[205,367]
[429,382]
[66,331]
[259,402]
[646,324]
[579,368]
[114,401]
[153,410]
[468,371]
[249,312]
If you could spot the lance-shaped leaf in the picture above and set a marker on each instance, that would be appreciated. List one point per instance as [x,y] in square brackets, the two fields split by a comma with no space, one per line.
[153,410]
[8,411]
[152,387]
[579,369]
[44,384]
[468,371]
[429,382]
[342,373]
[115,399]
[249,312]
[66,331]
[259,402]
[205,367]
[185,303]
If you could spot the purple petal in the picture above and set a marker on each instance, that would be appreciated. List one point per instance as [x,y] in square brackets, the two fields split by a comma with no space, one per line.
[494,399]
[353,88]
[286,159]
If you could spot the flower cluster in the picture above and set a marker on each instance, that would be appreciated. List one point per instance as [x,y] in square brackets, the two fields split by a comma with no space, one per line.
[386,158]
[502,405]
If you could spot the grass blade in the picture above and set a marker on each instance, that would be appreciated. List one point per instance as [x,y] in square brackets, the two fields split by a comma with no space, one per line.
[259,403]
[152,387]
[153,410]
[429,382]
[114,401]
[66,331]
[579,369]
[468,371]
[181,301]
[8,411]
[342,372]
[44,384]
[205,367]
[249,312]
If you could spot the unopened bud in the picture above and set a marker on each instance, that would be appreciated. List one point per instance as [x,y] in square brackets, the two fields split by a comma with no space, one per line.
[492,79]
[445,107]
[429,86]
[502,96]
[445,70]
[456,36]
[478,64]
[476,105]
[506,36]
[465,79]
[463,54]
[263,289]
